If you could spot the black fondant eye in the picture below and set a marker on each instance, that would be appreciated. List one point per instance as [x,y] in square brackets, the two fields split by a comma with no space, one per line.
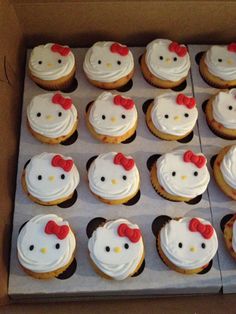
[38,114]
[59,60]
[186,115]
[220,60]
[107,248]
[180,245]
[123,116]
[63,176]
[175,59]
[166,116]
[102,179]
[119,62]
[126,246]
[39,177]
[40,62]
[59,114]
[103,117]
[124,177]
[99,61]
[31,247]
[203,245]
[57,246]
[230,107]
[161,58]
[195,173]
[173,174]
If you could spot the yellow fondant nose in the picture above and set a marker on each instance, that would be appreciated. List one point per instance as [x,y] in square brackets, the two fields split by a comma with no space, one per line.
[183,177]
[51,178]
[176,117]
[192,249]
[43,250]
[48,117]
[49,64]
[230,61]
[168,60]
[117,249]
[113,119]
[109,65]
[113,181]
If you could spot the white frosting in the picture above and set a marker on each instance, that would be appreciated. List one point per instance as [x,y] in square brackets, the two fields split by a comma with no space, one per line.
[184,183]
[191,255]
[167,68]
[114,187]
[50,69]
[169,117]
[118,120]
[44,257]
[226,68]
[54,121]
[224,108]
[228,167]
[108,70]
[234,237]
[118,265]
[51,187]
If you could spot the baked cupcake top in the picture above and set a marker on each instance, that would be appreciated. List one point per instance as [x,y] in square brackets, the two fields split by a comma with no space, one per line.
[174,114]
[45,243]
[117,248]
[50,176]
[228,167]
[52,115]
[51,61]
[189,243]
[224,108]
[167,60]
[108,61]
[221,61]
[113,176]
[113,115]
[183,173]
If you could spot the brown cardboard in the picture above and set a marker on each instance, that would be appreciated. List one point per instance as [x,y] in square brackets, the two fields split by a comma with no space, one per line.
[189,21]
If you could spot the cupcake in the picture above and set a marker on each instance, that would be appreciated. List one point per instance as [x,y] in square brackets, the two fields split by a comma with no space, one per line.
[108,65]
[224,170]
[172,117]
[230,236]
[165,64]
[52,66]
[221,114]
[187,245]
[112,118]
[46,246]
[114,178]
[116,249]
[52,118]
[218,66]
[50,179]
[180,175]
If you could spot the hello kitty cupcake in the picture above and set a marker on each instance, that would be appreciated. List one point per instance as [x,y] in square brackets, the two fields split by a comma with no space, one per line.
[112,118]
[218,66]
[52,118]
[165,63]
[180,175]
[52,66]
[113,178]
[172,117]
[108,65]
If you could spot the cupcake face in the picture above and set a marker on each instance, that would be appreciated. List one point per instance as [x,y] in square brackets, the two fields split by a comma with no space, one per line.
[182,173]
[113,115]
[174,114]
[228,167]
[189,243]
[108,61]
[51,61]
[51,115]
[45,243]
[167,60]
[113,176]
[116,248]
[50,177]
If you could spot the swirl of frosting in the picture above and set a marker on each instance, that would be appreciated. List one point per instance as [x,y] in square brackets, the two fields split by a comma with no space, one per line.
[49,65]
[50,119]
[114,255]
[111,181]
[103,65]
[221,62]
[166,64]
[228,167]
[224,108]
[110,119]
[171,118]
[41,252]
[49,183]
[186,249]
[181,178]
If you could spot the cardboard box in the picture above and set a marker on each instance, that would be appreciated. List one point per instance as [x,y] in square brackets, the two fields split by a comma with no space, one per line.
[80,23]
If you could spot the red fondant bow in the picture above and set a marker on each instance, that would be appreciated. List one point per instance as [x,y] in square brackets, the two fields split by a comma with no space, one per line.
[196,226]
[60,231]
[58,161]
[132,234]
[181,51]
[197,160]
[121,50]
[232,47]
[189,102]
[58,99]
[124,102]
[127,163]
[63,51]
